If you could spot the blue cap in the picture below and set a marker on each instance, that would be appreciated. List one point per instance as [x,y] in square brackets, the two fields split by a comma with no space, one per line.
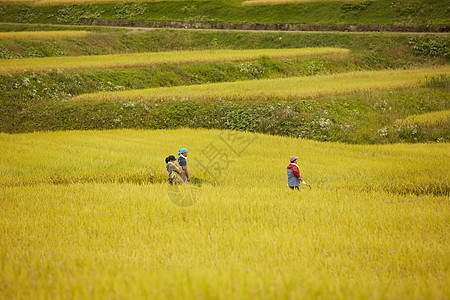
[181,151]
[172,158]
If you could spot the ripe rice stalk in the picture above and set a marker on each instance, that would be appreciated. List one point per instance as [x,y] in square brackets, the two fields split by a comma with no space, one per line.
[63,2]
[42,34]
[154,58]
[79,216]
[432,119]
[293,88]
[137,156]
[275,2]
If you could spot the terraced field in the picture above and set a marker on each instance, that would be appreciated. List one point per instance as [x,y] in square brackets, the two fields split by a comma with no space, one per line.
[73,199]
[42,34]
[299,88]
[87,119]
[69,2]
[276,2]
[431,119]
[154,58]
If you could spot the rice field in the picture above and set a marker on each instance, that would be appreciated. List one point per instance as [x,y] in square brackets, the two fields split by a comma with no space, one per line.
[153,58]
[244,234]
[89,214]
[282,88]
[432,119]
[32,35]
[63,2]
[275,2]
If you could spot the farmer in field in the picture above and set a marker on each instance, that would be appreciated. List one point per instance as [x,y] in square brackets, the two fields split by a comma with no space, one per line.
[293,174]
[172,169]
[182,157]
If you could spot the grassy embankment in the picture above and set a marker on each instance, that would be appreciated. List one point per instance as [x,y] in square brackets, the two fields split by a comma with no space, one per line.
[379,50]
[248,2]
[420,12]
[359,118]
[247,236]
[293,88]
[37,101]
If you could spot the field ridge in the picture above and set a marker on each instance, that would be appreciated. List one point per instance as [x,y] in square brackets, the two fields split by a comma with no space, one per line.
[298,88]
[133,60]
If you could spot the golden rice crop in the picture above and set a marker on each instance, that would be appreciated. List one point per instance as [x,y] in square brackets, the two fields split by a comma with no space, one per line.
[274,2]
[432,119]
[62,2]
[98,156]
[246,237]
[282,88]
[42,34]
[153,58]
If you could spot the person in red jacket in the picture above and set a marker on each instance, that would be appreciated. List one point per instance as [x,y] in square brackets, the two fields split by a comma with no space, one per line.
[293,173]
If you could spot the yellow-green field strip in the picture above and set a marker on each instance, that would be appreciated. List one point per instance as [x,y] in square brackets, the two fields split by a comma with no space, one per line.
[155,58]
[432,119]
[113,156]
[62,2]
[42,34]
[275,2]
[361,232]
[293,88]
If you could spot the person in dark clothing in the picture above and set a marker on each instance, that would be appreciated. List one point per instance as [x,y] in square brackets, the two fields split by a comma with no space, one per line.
[172,169]
[182,157]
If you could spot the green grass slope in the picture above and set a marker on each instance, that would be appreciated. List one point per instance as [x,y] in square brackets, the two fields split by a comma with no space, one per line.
[400,12]
[38,100]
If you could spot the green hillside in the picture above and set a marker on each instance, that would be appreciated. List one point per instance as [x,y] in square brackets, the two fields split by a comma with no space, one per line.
[89,113]
[41,100]
[397,12]
[43,71]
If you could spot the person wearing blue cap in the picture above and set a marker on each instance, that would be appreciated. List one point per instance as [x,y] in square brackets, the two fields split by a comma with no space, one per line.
[182,157]
[172,169]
